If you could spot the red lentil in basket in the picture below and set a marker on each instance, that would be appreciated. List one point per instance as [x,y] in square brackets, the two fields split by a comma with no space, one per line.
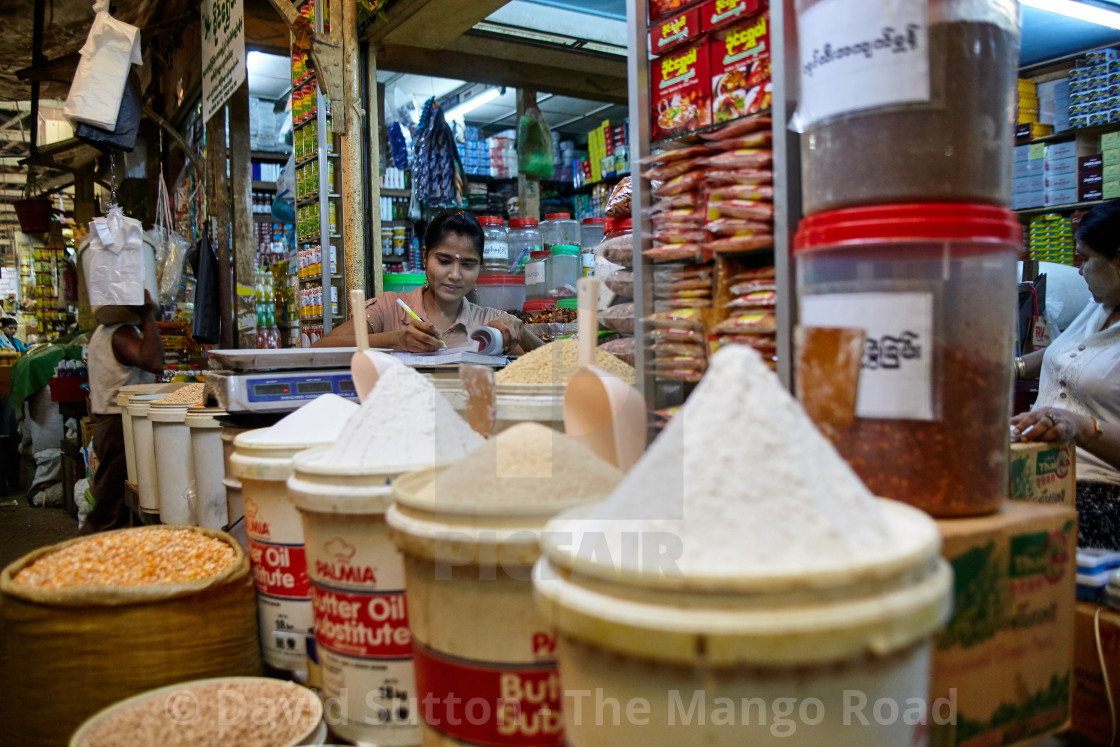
[136,557]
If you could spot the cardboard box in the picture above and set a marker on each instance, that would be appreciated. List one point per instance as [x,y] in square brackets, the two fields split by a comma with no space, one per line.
[680,92]
[662,9]
[1061,166]
[1059,197]
[716,14]
[1090,713]
[740,69]
[1110,156]
[1008,649]
[1022,153]
[1043,473]
[675,32]
[1024,200]
[1060,182]
[1110,140]
[1029,183]
[1110,190]
[1056,151]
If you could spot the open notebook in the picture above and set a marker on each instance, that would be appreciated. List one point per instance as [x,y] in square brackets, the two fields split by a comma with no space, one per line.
[486,350]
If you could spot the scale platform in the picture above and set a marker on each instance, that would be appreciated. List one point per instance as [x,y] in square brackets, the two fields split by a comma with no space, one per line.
[277,381]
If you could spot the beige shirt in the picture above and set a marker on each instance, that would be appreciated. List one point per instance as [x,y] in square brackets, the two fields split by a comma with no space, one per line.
[384,314]
[107,375]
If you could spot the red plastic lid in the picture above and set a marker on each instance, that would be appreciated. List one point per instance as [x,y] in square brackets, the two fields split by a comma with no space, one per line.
[490,220]
[558,216]
[500,280]
[539,304]
[593,222]
[541,254]
[939,221]
[522,222]
[619,224]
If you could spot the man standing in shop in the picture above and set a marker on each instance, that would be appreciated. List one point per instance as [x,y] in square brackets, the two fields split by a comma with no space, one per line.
[119,355]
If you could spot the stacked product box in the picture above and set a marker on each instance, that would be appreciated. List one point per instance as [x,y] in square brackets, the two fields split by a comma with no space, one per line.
[1028,177]
[1051,238]
[1090,178]
[474,152]
[1061,105]
[1060,174]
[1110,165]
[1094,90]
[1028,127]
[712,64]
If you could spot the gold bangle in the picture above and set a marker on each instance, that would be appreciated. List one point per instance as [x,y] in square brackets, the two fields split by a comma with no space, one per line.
[1097,433]
[1020,368]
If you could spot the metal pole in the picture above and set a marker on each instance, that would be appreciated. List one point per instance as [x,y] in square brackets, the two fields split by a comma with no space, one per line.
[637,68]
[353,220]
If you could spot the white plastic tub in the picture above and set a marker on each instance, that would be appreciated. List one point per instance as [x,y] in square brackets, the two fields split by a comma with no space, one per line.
[174,462]
[126,393]
[145,452]
[358,595]
[209,466]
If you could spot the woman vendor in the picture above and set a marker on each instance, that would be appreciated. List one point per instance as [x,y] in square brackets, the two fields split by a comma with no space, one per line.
[1079,388]
[452,260]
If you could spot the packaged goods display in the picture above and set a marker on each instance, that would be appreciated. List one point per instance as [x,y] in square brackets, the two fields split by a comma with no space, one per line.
[740,69]
[557,363]
[680,91]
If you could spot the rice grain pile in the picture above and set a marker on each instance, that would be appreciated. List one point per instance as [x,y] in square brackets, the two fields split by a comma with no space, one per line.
[135,557]
[191,394]
[528,464]
[557,363]
[246,713]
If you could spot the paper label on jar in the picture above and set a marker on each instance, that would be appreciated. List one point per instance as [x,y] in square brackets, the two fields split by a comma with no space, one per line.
[496,250]
[895,379]
[861,54]
[534,273]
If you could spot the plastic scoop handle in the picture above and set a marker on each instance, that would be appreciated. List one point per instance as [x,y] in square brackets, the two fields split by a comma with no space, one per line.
[361,331]
[588,320]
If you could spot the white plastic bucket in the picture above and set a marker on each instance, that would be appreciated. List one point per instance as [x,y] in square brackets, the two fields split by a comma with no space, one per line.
[362,631]
[235,507]
[145,452]
[477,634]
[755,660]
[209,467]
[174,462]
[276,549]
[123,396]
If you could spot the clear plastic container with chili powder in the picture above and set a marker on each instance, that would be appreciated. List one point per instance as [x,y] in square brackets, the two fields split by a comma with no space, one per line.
[933,286]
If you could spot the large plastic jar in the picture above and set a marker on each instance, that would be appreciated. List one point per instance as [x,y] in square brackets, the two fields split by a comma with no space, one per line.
[933,286]
[591,232]
[536,276]
[559,229]
[934,124]
[563,271]
[126,393]
[209,467]
[495,250]
[524,238]
[174,462]
[362,635]
[503,292]
[146,487]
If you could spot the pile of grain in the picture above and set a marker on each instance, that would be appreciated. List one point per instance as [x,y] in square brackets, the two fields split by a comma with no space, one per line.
[557,363]
[528,464]
[191,394]
[135,557]
[247,713]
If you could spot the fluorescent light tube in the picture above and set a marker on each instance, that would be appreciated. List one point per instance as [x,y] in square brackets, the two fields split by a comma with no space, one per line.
[1081,11]
[473,103]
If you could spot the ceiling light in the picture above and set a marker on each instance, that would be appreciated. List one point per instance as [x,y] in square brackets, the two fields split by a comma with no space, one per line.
[254,60]
[468,106]
[1081,11]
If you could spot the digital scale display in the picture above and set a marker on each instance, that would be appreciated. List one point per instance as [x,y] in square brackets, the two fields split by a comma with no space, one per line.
[314,387]
[298,387]
[272,390]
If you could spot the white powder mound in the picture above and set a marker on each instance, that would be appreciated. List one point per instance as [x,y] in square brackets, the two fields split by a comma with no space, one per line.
[317,422]
[747,482]
[404,424]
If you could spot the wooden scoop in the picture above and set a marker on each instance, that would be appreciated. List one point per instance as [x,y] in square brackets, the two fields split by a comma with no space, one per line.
[827,366]
[366,366]
[478,383]
[600,409]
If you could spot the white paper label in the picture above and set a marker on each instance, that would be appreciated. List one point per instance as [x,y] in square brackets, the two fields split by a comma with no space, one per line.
[896,376]
[496,250]
[862,54]
[534,273]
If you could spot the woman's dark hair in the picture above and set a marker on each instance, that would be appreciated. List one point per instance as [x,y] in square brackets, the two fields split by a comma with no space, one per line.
[454,221]
[1100,229]
[6,321]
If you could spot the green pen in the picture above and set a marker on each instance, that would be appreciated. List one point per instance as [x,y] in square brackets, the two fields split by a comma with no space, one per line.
[412,314]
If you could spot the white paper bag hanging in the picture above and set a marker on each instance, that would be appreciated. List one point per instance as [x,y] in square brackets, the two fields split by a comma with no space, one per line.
[110,49]
[116,268]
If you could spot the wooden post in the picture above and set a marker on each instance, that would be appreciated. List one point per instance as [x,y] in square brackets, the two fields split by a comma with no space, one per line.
[353,218]
[376,116]
[218,210]
[528,190]
[83,213]
[241,213]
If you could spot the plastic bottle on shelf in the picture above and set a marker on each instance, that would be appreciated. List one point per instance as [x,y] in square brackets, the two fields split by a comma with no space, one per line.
[495,250]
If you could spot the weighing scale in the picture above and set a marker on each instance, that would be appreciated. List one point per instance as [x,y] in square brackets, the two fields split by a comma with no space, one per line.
[277,381]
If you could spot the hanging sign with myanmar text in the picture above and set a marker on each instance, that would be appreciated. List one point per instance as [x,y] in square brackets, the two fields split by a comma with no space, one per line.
[223,52]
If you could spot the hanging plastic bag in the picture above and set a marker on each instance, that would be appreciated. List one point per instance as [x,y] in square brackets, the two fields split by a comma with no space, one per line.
[123,136]
[117,265]
[206,325]
[534,145]
[171,248]
[111,48]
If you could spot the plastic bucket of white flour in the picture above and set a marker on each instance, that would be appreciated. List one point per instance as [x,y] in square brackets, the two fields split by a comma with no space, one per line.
[276,548]
[171,439]
[126,393]
[476,632]
[358,595]
[839,658]
[146,486]
[209,467]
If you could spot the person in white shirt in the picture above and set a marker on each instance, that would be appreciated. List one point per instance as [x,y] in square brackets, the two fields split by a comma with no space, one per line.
[1079,387]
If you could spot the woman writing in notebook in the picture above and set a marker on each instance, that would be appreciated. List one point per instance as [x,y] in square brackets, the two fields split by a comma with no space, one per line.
[452,261]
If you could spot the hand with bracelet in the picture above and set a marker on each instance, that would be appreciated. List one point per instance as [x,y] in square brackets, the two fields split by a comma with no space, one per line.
[1056,424]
